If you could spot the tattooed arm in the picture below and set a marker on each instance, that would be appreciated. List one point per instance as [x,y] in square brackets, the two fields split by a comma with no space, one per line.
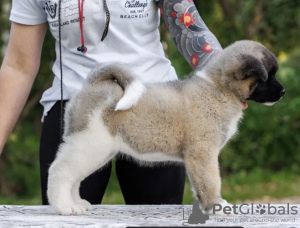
[190,34]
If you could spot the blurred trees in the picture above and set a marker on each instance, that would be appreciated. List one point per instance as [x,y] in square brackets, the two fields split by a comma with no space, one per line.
[269,136]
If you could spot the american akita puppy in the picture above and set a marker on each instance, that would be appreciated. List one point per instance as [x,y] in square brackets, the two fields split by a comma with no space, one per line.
[187,120]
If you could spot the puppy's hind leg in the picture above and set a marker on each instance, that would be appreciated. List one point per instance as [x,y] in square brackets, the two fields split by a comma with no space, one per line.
[63,175]
[77,199]
[80,155]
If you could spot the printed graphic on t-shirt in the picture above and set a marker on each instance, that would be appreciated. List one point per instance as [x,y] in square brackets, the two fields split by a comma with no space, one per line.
[128,9]
[134,9]
[51,9]
[69,12]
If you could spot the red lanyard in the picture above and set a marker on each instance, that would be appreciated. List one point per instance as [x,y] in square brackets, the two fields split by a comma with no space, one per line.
[80,11]
[82,48]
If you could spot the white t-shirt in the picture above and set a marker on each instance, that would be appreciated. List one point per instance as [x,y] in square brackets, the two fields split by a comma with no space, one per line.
[133,38]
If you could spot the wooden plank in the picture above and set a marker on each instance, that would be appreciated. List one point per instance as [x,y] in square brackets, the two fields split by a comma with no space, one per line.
[144,215]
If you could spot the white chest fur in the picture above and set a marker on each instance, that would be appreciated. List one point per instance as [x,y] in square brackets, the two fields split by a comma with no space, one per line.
[232,127]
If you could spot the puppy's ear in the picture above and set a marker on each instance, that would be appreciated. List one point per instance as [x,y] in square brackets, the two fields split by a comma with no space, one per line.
[250,66]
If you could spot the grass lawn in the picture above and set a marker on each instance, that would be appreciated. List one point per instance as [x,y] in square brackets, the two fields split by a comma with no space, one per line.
[260,184]
[236,188]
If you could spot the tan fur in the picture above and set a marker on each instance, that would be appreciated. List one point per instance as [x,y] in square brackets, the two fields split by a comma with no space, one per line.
[190,120]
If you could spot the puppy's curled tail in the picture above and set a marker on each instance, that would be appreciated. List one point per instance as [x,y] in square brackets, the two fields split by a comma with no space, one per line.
[120,74]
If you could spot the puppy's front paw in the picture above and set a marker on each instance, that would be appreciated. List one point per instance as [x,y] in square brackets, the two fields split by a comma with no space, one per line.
[72,209]
[223,203]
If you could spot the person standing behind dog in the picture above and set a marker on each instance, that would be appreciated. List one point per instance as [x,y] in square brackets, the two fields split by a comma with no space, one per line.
[91,33]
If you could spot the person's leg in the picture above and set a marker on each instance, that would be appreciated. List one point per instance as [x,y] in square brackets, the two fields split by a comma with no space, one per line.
[93,187]
[160,184]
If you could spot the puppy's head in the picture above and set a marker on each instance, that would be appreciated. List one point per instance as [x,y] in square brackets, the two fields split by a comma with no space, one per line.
[249,69]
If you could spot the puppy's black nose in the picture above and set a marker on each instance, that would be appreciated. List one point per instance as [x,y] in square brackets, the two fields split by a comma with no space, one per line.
[282,92]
